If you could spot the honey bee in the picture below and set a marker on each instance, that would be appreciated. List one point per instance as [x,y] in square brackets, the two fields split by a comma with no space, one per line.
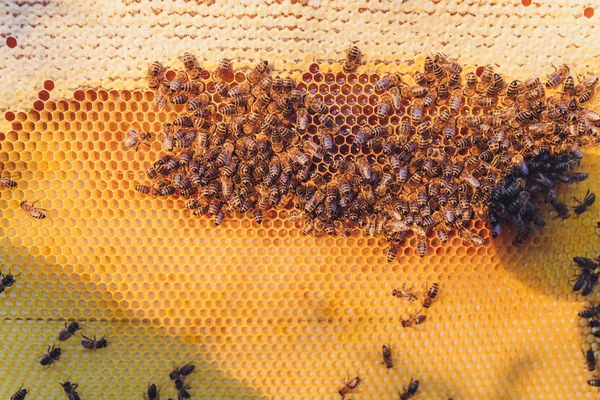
[32,211]
[431,293]
[6,281]
[353,54]
[135,139]
[413,320]
[20,394]
[410,391]
[487,74]
[301,120]
[223,69]
[405,294]
[416,112]
[590,312]
[315,104]
[364,168]
[384,106]
[349,386]
[418,91]
[438,72]
[183,121]
[455,102]
[442,234]
[190,63]
[151,393]
[594,381]
[69,331]
[70,390]
[386,353]
[93,344]
[471,82]
[183,371]
[421,246]
[585,96]
[587,202]
[557,77]
[7,183]
[387,82]
[51,356]
[257,74]
[182,388]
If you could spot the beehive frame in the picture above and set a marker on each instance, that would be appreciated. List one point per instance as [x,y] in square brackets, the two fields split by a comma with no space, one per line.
[264,311]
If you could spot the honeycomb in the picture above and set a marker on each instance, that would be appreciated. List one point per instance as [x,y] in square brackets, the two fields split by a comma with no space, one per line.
[263,311]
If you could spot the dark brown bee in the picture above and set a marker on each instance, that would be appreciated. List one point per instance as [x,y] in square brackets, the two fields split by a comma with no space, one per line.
[349,386]
[190,88]
[70,390]
[6,281]
[585,96]
[198,103]
[143,189]
[32,211]
[182,388]
[590,312]
[20,394]
[594,381]
[192,204]
[151,393]
[585,281]
[182,371]
[569,86]
[353,54]
[590,359]
[586,263]
[69,331]
[420,79]
[438,72]
[183,121]
[179,99]
[587,202]
[287,85]
[453,81]
[51,356]
[412,320]
[430,296]
[93,344]
[410,391]
[177,83]
[386,353]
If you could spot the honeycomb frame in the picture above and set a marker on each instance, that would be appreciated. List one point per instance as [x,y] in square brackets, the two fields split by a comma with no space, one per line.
[505,324]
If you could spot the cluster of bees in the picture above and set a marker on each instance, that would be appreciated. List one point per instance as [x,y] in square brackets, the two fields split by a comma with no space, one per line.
[513,200]
[585,281]
[28,206]
[407,294]
[178,376]
[54,353]
[266,143]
